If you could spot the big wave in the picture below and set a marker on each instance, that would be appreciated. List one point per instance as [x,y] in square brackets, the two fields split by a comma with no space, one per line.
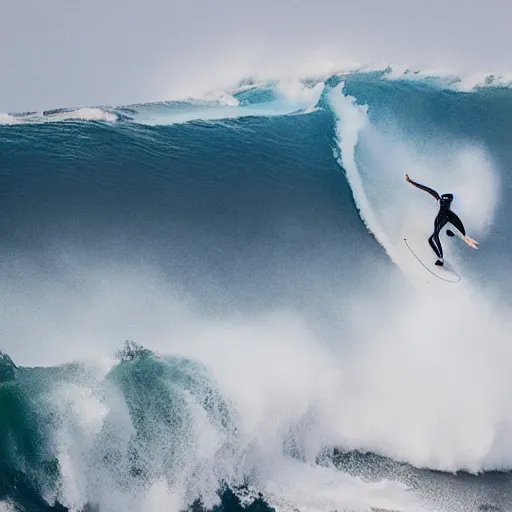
[256,401]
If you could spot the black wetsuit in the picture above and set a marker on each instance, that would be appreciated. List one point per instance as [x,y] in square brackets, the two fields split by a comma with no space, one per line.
[444,216]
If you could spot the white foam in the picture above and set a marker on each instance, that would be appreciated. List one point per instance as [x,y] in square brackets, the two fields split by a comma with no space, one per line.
[8,119]
[298,93]
[448,79]
[160,497]
[86,114]
[7,506]
[441,78]
[275,375]
[83,114]
[222,97]
[419,376]
[351,119]
[81,414]
[474,81]
[291,485]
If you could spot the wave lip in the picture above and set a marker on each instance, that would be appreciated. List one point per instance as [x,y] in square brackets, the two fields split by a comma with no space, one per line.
[248,100]
[267,99]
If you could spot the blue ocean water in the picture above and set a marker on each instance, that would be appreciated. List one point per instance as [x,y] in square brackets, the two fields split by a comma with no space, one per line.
[285,351]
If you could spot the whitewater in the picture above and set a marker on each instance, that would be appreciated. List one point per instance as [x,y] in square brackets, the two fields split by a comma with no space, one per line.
[207,303]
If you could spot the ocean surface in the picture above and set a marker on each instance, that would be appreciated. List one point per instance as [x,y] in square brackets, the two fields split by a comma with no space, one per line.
[209,304]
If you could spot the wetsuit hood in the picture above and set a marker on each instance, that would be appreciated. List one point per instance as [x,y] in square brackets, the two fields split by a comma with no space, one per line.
[446,200]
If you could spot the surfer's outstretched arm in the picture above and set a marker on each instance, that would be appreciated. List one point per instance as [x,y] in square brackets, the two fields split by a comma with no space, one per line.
[431,191]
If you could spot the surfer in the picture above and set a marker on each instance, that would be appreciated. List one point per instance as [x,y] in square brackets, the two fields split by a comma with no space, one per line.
[444,216]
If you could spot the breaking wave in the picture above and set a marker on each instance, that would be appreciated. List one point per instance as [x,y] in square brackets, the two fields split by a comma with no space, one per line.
[289,351]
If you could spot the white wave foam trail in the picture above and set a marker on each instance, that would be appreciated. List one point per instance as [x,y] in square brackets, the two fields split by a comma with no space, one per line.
[351,120]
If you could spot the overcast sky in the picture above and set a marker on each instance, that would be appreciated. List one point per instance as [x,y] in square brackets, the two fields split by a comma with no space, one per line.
[61,53]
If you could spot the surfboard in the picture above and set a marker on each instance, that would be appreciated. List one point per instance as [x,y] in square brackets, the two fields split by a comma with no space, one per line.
[445,273]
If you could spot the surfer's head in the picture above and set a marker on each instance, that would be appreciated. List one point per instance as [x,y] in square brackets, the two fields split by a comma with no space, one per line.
[446,199]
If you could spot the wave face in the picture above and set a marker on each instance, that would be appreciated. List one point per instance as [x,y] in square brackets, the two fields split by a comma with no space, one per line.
[288,353]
